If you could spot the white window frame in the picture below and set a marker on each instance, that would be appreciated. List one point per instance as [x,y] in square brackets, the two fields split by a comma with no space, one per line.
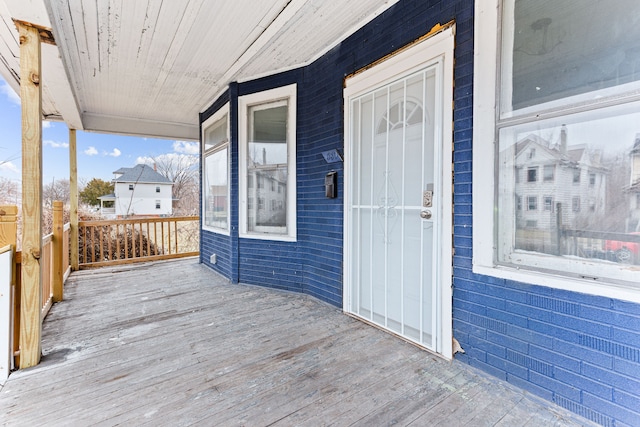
[486,95]
[216,117]
[287,93]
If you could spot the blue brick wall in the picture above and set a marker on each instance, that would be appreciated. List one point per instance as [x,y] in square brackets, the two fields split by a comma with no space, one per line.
[579,351]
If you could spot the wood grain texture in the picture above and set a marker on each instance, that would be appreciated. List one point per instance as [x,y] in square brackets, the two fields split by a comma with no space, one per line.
[31,96]
[173,343]
[58,233]
[73,199]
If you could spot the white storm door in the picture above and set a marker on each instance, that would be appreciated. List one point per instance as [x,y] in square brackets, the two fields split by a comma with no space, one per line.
[394,204]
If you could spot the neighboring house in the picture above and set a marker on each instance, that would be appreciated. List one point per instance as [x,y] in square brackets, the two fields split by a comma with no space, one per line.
[425,237]
[633,222]
[556,187]
[138,191]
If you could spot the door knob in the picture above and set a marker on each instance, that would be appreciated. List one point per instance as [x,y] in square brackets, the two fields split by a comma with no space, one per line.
[425,214]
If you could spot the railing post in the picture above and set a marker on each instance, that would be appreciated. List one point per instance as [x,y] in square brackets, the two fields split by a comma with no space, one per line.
[8,225]
[73,200]
[58,233]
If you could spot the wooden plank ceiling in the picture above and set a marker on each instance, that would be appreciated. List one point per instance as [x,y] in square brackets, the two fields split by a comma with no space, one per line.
[148,67]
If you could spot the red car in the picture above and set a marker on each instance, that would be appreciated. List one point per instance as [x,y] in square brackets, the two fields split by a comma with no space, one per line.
[623,251]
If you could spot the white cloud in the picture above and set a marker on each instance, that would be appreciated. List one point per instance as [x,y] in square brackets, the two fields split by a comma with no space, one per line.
[114,153]
[46,124]
[91,151]
[186,147]
[171,160]
[54,144]
[7,91]
[9,166]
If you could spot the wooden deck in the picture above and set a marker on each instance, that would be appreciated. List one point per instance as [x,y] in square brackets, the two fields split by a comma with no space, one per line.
[172,343]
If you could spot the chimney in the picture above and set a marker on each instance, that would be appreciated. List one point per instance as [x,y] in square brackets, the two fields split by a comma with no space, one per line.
[563,139]
[155,167]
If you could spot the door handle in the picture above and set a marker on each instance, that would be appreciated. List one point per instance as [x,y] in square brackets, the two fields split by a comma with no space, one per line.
[425,214]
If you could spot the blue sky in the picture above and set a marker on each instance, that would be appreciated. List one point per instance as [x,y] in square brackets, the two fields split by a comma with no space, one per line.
[98,154]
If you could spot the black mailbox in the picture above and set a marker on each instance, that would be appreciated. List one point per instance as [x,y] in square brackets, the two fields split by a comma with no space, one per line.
[331,185]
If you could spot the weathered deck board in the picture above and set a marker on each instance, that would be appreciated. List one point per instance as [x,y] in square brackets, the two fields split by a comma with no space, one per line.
[172,343]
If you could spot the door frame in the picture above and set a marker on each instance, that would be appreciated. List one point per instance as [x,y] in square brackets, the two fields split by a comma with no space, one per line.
[433,48]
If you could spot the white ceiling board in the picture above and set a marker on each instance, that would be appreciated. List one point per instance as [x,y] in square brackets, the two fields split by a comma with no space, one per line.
[33,11]
[9,49]
[57,98]
[299,38]
[152,62]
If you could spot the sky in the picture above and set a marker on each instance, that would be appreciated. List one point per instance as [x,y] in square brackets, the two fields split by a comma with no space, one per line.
[98,155]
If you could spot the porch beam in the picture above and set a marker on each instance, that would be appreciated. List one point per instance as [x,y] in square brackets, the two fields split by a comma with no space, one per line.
[73,189]
[31,100]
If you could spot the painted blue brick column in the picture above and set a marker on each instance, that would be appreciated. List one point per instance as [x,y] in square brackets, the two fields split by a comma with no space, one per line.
[234,167]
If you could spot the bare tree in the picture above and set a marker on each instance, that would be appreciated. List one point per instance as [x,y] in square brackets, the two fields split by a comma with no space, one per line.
[182,170]
[56,190]
[9,192]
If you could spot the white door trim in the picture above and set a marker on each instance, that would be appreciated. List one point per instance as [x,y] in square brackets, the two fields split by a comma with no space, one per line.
[438,48]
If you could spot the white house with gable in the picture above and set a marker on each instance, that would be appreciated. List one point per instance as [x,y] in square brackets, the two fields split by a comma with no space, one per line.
[138,191]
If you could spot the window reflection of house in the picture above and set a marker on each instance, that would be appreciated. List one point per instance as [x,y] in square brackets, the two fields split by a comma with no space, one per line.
[633,222]
[271,196]
[570,178]
[217,203]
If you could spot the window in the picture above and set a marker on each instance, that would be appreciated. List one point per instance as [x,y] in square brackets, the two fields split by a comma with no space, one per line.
[215,171]
[576,176]
[130,186]
[157,189]
[548,203]
[575,204]
[267,154]
[157,204]
[546,70]
[519,202]
[532,203]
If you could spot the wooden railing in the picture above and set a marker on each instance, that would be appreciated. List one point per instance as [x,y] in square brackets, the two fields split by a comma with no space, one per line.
[54,261]
[123,241]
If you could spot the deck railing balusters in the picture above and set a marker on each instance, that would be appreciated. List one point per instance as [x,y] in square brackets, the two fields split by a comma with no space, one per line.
[134,241]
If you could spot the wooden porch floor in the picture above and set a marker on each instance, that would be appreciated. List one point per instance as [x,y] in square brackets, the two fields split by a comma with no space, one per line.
[172,343]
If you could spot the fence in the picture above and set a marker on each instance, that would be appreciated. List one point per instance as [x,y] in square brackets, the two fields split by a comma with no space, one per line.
[54,261]
[123,241]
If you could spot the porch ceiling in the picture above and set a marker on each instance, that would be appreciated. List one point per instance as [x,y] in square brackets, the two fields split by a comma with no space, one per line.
[148,67]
